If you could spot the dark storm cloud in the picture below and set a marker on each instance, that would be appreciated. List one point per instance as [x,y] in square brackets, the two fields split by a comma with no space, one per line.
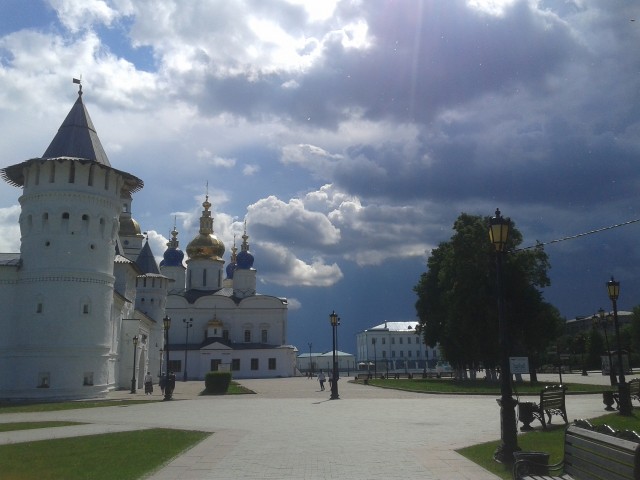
[424,56]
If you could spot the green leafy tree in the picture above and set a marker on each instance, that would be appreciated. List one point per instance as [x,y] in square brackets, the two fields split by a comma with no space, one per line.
[457,297]
[595,349]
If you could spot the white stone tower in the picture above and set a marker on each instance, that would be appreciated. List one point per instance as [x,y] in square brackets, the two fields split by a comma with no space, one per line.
[60,330]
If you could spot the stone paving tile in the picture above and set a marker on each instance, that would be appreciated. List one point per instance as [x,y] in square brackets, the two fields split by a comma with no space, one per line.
[290,430]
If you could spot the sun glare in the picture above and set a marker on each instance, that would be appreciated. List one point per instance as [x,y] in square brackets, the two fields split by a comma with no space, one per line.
[317,10]
[492,7]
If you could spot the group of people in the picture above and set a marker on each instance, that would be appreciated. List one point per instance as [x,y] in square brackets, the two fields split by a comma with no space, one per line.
[323,378]
[162,383]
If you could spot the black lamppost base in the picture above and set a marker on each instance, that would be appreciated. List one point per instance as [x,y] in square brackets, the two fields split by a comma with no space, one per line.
[624,398]
[508,431]
[133,385]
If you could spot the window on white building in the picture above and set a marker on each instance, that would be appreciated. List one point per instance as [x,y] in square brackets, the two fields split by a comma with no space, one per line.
[272,364]
[235,364]
[393,354]
[264,336]
[255,364]
[247,336]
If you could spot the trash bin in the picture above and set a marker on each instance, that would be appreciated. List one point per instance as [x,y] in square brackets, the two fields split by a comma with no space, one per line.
[537,463]
[525,414]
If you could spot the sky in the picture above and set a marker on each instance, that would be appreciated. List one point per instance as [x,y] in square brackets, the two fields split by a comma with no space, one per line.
[348,134]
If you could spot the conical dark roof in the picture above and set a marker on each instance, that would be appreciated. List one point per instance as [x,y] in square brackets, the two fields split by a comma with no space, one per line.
[76,140]
[146,261]
[77,137]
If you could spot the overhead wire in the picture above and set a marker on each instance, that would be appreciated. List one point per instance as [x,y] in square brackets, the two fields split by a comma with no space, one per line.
[572,237]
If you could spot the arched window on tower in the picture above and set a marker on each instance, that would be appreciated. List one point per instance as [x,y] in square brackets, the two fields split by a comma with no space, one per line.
[52,172]
[91,174]
[85,223]
[72,172]
[65,221]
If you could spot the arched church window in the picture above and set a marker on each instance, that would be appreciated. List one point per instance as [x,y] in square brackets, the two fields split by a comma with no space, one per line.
[65,221]
[85,223]
[72,172]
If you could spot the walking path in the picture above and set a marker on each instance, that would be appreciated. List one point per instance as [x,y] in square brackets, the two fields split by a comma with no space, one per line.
[291,430]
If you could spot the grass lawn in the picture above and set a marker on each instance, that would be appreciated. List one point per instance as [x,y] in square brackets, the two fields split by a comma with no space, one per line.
[123,455]
[477,387]
[234,389]
[12,427]
[55,406]
[550,441]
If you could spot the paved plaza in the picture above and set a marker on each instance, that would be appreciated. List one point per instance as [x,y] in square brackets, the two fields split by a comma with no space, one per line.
[291,430]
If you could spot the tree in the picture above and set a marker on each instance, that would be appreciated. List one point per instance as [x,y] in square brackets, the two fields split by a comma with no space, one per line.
[595,349]
[457,297]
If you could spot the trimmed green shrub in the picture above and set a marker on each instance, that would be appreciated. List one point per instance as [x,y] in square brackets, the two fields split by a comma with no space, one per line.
[217,382]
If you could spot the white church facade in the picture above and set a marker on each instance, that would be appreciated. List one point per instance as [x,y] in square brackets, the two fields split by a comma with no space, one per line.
[84,300]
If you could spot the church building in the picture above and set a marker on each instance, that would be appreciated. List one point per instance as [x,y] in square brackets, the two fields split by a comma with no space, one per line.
[85,303]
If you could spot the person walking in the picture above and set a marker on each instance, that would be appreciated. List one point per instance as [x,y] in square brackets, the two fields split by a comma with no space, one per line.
[148,384]
[321,379]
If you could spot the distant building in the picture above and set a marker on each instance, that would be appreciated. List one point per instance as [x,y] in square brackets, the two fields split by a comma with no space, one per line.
[394,346]
[585,324]
[85,286]
[324,361]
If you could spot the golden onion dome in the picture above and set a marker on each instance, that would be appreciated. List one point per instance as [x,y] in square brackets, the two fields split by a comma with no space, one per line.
[206,245]
[129,227]
[214,322]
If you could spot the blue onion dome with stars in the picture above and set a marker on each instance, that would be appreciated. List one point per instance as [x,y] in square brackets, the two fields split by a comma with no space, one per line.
[245,259]
[173,256]
[231,267]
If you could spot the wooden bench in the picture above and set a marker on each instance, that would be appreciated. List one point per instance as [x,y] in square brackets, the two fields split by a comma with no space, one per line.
[634,389]
[552,402]
[590,453]
[634,392]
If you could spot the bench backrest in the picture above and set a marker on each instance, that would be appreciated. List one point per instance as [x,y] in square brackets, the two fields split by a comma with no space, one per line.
[590,455]
[552,398]
[634,386]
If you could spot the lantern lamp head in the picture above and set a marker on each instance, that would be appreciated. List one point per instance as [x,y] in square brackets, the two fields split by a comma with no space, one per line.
[499,231]
[613,288]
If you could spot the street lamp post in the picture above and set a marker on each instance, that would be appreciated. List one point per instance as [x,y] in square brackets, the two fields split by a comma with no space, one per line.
[135,352]
[613,288]
[603,320]
[187,325]
[335,321]
[375,359]
[499,234]
[166,323]
[310,359]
